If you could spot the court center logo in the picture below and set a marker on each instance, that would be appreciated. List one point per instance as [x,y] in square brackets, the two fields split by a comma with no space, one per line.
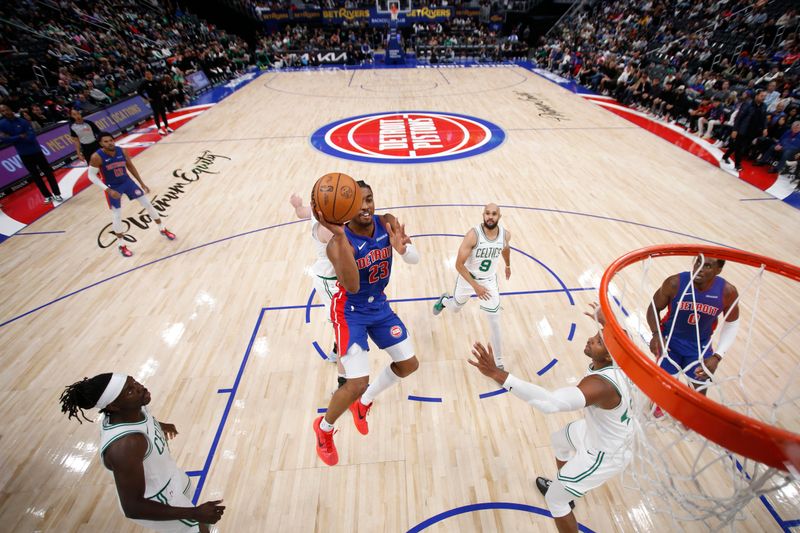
[404,137]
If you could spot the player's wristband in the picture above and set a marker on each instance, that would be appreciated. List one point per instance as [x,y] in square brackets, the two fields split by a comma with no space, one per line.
[411,256]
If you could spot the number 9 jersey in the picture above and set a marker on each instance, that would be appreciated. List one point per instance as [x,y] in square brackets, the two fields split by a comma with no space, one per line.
[482,262]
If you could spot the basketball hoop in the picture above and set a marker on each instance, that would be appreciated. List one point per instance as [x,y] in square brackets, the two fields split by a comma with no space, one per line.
[744,437]
[394,9]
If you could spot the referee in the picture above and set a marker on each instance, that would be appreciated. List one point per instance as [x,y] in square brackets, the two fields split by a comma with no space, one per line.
[153,90]
[85,134]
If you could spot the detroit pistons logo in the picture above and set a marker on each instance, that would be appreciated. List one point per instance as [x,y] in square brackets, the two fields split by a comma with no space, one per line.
[396,332]
[407,137]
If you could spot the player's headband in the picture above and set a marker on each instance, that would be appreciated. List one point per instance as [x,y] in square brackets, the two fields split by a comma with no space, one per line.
[114,387]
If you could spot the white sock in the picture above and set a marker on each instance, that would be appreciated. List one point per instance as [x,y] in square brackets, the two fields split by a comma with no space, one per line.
[116,220]
[324,426]
[497,343]
[452,304]
[385,379]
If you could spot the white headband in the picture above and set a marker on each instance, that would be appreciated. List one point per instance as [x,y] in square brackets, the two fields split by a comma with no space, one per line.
[114,387]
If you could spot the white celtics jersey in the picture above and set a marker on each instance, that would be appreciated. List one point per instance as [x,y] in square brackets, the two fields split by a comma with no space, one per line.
[482,262]
[160,470]
[609,430]
[323,266]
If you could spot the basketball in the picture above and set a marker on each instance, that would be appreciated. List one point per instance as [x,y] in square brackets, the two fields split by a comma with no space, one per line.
[338,196]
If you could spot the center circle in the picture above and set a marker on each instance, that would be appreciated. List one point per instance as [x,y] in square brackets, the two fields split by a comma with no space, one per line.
[407,137]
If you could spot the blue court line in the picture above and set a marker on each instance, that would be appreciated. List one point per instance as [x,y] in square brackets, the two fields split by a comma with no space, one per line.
[571,331]
[353,75]
[783,524]
[622,307]
[134,269]
[234,389]
[433,298]
[308,305]
[224,391]
[566,212]
[529,256]
[443,76]
[510,293]
[243,234]
[547,367]
[425,524]
[319,351]
[424,399]
[493,393]
[194,473]
[321,410]
[39,233]
[571,128]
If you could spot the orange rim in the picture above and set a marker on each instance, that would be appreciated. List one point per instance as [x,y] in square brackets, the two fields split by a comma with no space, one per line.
[734,431]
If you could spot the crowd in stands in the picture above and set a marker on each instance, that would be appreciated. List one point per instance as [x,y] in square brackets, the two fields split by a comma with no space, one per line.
[722,69]
[460,39]
[465,39]
[299,45]
[258,8]
[59,55]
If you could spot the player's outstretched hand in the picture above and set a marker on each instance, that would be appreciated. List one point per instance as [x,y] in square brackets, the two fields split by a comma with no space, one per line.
[169,430]
[336,229]
[295,200]
[209,512]
[596,313]
[484,362]
[398,237]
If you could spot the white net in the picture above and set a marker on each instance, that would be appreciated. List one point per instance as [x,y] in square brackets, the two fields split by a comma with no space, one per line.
[678,471]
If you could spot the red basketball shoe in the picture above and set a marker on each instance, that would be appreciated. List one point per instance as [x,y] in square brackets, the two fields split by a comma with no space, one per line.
[168,234]
[326,449]
[360,411]
[124,251]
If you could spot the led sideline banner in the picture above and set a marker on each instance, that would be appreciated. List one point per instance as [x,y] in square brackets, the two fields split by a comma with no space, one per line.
[198,80]
[371,16]
[57,142]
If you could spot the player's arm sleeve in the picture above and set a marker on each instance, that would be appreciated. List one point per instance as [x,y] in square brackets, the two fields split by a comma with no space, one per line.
[412,255]
[94,177]
[559,400]
[727,335]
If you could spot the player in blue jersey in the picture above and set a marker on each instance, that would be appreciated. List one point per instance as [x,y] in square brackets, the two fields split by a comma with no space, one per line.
[113,163]
[696,301]
[361,252]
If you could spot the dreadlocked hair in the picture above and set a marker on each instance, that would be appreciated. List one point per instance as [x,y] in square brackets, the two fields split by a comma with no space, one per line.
[83,395]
